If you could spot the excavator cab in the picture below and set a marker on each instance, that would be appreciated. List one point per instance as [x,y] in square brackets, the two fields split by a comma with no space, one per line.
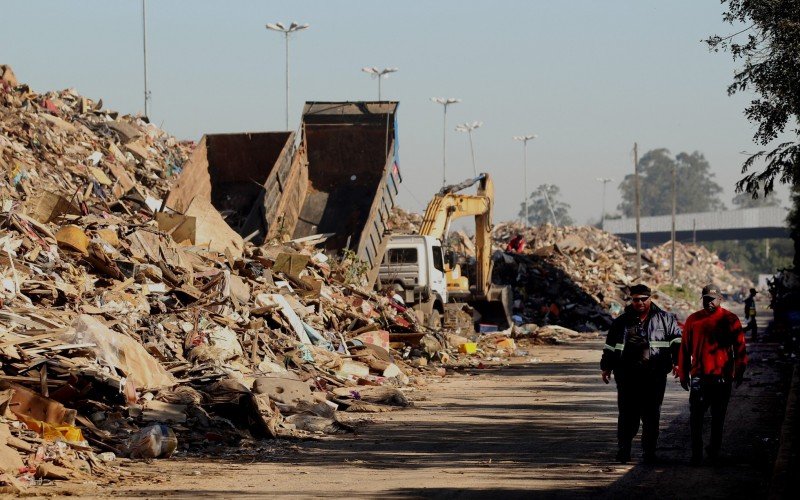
[469,279]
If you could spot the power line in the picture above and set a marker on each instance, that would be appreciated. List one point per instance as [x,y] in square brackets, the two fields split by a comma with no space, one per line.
[411,193]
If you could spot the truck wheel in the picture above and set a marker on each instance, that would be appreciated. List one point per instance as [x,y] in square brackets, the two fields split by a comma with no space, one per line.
[434,320]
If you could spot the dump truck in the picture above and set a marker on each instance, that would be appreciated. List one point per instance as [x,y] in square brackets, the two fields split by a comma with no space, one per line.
[353,177]
[414,264]
[251,178]
[337,184]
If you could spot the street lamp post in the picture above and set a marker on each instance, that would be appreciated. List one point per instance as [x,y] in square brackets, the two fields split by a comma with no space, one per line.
[281,28]
[525,139]
[672,235]
[379,74]
[604,180]
[144,56]
[444,101]
[468,128]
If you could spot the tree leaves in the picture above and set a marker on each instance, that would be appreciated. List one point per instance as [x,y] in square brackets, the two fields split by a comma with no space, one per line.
[696,190]
[770,53]
[544,207]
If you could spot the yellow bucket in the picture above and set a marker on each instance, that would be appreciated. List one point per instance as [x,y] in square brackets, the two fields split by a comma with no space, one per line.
[468,348]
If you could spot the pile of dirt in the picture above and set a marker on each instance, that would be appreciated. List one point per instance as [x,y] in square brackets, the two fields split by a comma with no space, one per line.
[127,330]
[578,277]
[403,222]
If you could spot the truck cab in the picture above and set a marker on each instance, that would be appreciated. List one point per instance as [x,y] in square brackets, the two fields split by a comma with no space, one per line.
[413,266]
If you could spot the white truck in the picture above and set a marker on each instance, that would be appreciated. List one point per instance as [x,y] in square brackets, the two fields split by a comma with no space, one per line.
[413,266]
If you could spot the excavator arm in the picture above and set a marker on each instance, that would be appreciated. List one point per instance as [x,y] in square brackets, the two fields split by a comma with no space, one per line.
[447,205]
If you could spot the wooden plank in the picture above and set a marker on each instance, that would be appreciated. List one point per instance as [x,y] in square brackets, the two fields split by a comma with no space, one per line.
[23,340]
[20,378]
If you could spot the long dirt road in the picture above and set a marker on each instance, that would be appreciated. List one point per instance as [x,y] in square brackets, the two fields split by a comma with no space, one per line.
[544,427]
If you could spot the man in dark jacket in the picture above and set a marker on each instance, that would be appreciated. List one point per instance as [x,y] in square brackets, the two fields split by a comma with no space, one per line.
[713,356]
[642,347]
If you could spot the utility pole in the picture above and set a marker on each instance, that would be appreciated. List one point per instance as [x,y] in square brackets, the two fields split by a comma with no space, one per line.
[144,53]
[672,254]
[638,229]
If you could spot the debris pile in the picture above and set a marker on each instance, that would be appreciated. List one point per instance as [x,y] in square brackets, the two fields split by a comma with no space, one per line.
[403,222]
[123,335]
[577,276]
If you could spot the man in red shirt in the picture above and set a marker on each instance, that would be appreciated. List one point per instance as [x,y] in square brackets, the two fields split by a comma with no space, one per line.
[712,356]
[516,244]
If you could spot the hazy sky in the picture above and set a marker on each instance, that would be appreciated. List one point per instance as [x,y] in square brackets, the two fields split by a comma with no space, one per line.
[590,77]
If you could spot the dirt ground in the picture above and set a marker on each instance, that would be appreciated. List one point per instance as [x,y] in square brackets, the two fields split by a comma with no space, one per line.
[543,426]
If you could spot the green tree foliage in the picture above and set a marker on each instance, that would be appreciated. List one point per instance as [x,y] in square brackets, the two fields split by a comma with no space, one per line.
[793,220]
[696,190]
[543,205]
[749,257]
[768,47]
[746,200]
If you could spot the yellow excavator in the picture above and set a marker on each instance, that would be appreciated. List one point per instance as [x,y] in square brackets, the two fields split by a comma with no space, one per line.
[415,267]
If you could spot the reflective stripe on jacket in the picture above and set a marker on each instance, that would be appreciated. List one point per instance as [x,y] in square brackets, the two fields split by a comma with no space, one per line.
[657,346]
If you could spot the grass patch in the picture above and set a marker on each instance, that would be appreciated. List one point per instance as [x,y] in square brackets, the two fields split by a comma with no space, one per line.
[677,292]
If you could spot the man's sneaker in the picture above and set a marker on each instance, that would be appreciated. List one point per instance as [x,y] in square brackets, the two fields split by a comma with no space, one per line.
[623,456]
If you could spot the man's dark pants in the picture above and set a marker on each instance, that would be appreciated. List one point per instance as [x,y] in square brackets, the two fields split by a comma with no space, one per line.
[714,393]
[752,327]
[639,397]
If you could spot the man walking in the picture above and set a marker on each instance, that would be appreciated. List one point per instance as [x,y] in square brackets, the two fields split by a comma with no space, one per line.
[712,357]
[641,348]
[750,314]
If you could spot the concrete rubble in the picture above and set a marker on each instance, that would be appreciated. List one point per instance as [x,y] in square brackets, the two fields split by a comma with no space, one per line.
[131,329]
[404,222]
[578,276]
[120,336]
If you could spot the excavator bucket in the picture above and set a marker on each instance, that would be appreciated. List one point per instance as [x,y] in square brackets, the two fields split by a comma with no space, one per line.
[495,308]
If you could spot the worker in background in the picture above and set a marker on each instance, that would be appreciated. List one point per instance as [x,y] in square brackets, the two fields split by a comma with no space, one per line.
[712,357]
[750,314]
[641,348]
[516,244]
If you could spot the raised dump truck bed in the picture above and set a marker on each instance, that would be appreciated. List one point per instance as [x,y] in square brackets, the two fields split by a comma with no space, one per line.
[352,179]
[244,175]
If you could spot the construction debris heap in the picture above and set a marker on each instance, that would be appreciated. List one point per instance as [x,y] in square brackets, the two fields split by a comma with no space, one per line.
[136,322]
[578,276]
[121,336]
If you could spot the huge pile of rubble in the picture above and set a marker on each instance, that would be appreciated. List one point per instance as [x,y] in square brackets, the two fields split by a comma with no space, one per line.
[404,222]
[119,335]
[578,276]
